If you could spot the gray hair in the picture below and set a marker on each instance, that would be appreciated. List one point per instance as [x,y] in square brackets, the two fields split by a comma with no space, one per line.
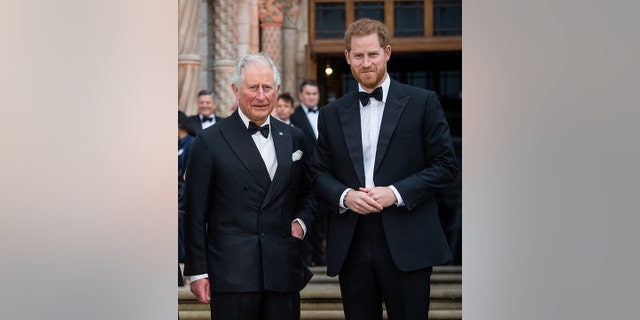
[251,59]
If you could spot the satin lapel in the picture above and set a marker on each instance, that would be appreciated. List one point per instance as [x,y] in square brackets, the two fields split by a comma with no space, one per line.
[245,149]
[350,120]
[392,110]
[282,143]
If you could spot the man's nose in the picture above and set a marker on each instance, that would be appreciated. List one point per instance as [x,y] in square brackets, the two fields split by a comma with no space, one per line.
[261,94]
[366,61]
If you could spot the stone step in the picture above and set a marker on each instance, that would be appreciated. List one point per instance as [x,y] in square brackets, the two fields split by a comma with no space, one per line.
[321,300]
[328,315]
[441,274]
[435,278]
[332,292]
[337,305]
[452,269]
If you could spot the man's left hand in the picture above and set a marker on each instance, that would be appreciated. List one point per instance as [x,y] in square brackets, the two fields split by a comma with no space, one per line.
[383,195]
[296,230]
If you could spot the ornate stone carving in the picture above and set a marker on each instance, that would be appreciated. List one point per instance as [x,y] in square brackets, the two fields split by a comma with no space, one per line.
[291,11]
[271,17]
[225,45]
[270,11]
[188,58]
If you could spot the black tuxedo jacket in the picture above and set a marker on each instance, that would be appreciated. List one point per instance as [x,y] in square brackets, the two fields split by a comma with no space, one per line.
[415,154]
[238,221]
[300,120]
[197,125]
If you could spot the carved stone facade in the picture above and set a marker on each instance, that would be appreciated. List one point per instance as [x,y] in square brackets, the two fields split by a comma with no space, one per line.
[290,34]
[188,55]
[225,51]
[215,33]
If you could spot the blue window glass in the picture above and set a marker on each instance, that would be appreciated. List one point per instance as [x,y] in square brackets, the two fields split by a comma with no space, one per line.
[349,84]
[451,84]
[408,19]
[447,17]
[420,79]
[330,20]
[372,10]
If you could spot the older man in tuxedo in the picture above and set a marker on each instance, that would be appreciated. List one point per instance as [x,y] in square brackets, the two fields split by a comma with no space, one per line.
[384,152]
[248,203]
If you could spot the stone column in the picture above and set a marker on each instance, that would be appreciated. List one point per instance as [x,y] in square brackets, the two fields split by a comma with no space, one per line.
[270,14]
[248,32]
[302,53]
[188,57]
[289,42]
[225,46]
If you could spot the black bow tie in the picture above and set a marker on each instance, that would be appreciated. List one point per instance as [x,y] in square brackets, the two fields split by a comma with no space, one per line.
[205,119]
[364,97]
[264,130]
[314,110]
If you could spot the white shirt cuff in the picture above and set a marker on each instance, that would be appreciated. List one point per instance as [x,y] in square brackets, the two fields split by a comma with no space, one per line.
[400,202]
[198,277]
[304,227]
[343,209]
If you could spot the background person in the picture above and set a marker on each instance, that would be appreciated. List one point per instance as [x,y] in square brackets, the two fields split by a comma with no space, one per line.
[284,108]
[206,116]
[305,117]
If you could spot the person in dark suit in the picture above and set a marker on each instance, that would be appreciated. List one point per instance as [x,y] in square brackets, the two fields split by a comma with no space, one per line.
[305,117]
[248,202]
[383,153]
[186,135]
[206,111]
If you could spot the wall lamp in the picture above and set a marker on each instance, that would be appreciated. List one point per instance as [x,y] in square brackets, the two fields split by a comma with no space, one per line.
[327,70]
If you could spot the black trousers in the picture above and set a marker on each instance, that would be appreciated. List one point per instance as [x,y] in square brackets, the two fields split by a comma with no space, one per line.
[370,277]
[255,306]
[314,254]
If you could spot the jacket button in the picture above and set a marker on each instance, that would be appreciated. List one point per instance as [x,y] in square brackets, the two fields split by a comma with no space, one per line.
[262,235]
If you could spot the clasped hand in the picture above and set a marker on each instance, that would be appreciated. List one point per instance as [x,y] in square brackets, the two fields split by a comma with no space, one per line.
[368,200]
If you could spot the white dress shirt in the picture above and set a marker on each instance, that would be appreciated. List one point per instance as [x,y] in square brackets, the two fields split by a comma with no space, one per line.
[207,124]
[370,121]
[313,118]
[265,145]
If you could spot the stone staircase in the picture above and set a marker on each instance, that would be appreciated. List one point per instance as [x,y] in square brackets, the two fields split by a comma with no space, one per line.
[320,299]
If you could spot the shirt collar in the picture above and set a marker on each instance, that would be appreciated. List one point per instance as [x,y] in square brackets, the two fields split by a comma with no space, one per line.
[246,120]
[385,87]
[306,109]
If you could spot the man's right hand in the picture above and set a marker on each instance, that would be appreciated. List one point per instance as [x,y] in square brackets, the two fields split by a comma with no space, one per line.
[200,288]
[361,203]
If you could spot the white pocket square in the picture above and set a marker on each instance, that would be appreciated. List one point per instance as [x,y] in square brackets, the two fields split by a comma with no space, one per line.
[296,155]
